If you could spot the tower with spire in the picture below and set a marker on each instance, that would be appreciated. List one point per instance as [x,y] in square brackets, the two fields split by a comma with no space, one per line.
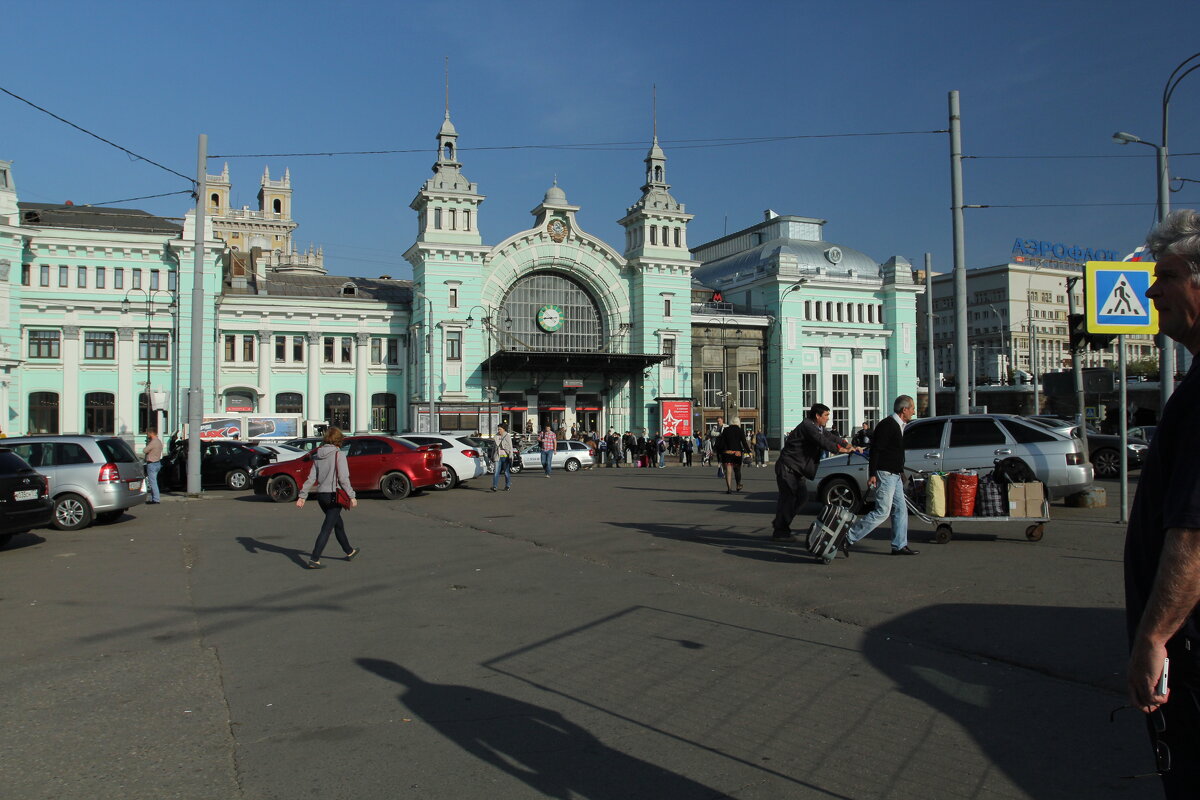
[661,266]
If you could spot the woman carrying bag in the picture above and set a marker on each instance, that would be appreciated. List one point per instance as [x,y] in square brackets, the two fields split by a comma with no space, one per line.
[330,476]
[732,446]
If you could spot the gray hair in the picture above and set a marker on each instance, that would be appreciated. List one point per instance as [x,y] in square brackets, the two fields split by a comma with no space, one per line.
[736,422]
[1178,234]
[903,402]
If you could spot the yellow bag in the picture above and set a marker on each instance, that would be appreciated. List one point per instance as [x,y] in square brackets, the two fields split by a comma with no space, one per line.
[935,496]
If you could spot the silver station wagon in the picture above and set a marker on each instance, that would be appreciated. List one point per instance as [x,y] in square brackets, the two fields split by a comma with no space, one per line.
[945,444]
[91,477]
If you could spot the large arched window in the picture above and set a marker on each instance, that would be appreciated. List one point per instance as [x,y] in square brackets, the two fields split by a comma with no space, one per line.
[383,412]
[337,410]
[551,312]
[43,412]
[99,414]
[289,403]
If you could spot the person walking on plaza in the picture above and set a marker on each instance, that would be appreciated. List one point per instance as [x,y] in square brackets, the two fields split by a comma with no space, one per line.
[885,475]
[614,449]
[504,457]
[760,449]
[660,450]
[329,472]
[686,446]
[549,442]
[798,459]
[152,453]
[1162,542]
[706,451]
[731,446]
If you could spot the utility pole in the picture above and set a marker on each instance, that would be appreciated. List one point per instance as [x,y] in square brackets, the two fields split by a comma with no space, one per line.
[1033,353]
[960,257]
[1077,371]
[196,373]
[931,372]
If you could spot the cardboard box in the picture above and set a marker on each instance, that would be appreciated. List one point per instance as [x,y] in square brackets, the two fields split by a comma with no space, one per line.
[1025,499]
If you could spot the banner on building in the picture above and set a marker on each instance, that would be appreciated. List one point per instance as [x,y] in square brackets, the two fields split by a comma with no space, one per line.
[676,417]
[221,428]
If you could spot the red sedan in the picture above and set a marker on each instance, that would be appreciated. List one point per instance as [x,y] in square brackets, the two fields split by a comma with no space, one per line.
[386,464]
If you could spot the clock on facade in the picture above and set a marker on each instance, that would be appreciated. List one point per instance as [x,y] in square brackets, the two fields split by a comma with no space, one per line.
[550,318]
[557,229]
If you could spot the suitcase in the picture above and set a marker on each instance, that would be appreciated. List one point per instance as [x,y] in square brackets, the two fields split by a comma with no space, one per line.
[828,531]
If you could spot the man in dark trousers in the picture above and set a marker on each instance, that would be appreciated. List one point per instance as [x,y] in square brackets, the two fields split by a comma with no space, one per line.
[798,459]
[885,475]
[1162,544]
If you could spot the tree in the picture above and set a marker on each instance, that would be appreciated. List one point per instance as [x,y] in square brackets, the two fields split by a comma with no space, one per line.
[1147,367]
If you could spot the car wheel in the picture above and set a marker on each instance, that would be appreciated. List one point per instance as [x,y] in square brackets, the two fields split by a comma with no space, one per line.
[282,489]
[1107,463]
[237,479]
[71,512]
[106,517]
[450,482]
[841,492]
[572,465]
[395,486]
[515,466]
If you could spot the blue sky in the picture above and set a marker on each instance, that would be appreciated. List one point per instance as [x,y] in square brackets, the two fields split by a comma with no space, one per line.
[1036,79]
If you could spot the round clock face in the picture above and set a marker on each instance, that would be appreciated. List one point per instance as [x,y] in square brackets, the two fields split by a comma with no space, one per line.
[549,318]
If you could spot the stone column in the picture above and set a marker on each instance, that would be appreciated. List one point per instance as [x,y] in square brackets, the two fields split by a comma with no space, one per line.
[857,403]
[69,417]
[313,403]
[362,399]
[266,354]
[127,383]
[825,384]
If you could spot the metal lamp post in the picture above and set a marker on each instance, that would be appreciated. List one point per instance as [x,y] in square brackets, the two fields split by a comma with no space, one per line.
[148,295]
[486,321]
[433,426]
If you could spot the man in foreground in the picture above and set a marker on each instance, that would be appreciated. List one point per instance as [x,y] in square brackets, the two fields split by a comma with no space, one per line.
[885,476]
[798,460]
[1162,544]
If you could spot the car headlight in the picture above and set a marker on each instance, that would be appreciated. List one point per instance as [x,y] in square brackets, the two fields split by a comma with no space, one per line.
[1137,448]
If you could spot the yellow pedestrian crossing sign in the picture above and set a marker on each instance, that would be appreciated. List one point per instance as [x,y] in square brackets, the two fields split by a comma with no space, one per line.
[1116,297]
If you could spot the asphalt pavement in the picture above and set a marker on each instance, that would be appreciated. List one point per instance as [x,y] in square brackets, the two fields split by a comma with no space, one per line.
[610,634]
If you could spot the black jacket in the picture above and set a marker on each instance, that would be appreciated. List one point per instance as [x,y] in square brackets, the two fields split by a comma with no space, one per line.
[887,448]
[802,448]
[732,438]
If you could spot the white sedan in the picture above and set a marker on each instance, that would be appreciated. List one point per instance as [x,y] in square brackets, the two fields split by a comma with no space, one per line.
[282,452]
[461,460]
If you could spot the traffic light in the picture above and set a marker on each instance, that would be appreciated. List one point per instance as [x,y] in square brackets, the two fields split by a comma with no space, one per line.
[1080,338]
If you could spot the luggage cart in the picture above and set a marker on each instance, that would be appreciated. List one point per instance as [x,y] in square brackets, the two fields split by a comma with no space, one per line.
[944,530]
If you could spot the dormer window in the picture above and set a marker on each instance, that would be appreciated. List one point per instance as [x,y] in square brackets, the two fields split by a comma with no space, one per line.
[349,290]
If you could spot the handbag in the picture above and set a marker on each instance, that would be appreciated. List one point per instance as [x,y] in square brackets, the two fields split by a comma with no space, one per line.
[341,496]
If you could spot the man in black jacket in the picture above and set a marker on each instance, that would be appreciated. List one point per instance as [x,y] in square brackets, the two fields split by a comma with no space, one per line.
[798,459]
[885,473]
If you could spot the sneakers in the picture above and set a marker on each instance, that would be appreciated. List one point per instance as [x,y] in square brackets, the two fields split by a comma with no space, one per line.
[352,554]
[313,565]
[905,551]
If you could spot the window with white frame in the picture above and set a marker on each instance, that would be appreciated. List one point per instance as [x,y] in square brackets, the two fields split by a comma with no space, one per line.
[714,389]
[99,345]
[747,390]
[808,390]
[385,350]
[840,405]
[669,351]
[454,345]
[871,398]
[453,297]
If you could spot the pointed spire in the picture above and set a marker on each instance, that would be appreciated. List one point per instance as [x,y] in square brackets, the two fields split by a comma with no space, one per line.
[447,87]
[225,172]
[266,174]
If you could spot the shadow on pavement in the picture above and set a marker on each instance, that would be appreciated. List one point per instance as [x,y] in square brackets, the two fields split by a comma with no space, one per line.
[19,540]
[257,545]
[757,546]
[1048,737]
[552,755]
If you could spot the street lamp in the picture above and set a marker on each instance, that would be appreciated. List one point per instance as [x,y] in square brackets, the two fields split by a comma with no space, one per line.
[148,297]
[433,426]
[486,321]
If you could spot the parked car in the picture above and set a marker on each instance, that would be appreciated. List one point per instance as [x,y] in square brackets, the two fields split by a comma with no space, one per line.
[486,448]
[388,464]
[1143,432]
[282,452]
[222,463]
[461,459]
[24,497]
[569,455]
[1103,448]
[91,477]
[977,441]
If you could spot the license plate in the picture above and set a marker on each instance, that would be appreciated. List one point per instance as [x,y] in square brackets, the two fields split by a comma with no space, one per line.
[135,484]
[25,494]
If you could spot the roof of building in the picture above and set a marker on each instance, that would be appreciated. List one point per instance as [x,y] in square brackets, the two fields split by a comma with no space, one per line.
[131,220]
[811,258]
[291,284]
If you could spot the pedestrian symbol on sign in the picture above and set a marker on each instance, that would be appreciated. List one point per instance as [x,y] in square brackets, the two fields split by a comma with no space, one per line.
[1122,301]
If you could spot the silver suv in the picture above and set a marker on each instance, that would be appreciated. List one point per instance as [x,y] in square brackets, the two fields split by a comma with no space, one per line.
[945,444]
[91,477]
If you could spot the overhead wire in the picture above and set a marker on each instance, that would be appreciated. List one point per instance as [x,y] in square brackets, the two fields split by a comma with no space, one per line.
[109,142]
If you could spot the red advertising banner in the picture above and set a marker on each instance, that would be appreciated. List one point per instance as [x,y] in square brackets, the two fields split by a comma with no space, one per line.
[676,416]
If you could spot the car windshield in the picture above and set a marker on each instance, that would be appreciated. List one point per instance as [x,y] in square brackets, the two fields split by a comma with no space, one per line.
[116,450]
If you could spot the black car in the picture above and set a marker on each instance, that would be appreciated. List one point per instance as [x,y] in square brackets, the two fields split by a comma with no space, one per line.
[24,497]
[222,463]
